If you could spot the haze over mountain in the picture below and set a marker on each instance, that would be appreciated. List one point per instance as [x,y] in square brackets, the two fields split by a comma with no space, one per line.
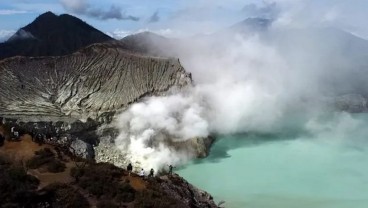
[337,49]
[51,35]
[92,85]
[269,72]
[281,84]
[78,95]
[158,45]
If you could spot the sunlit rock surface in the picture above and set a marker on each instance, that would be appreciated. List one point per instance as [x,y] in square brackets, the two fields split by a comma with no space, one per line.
[74,95]
[89,83]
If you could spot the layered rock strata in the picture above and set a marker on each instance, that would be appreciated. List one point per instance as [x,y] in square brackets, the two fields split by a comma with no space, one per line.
[86,84]
[72,96]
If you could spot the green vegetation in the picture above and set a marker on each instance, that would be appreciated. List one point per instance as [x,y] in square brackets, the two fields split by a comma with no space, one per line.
[63,195]
[99,184]
[106,204]
[103,181]
[17,188]
[154,198]
[20,190]
[46,158]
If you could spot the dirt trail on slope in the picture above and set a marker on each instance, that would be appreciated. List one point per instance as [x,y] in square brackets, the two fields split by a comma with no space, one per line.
[47,178]
[24,150]
[21,150]
[136,182]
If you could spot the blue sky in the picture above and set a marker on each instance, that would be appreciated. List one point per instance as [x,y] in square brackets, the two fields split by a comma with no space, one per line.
[162,16]
[186,17]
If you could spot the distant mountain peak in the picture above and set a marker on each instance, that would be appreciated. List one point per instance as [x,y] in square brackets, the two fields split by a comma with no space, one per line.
[257,22]
[52,35]
[47,14]
[49,22]
[45,17]
[144,35]
[253,23]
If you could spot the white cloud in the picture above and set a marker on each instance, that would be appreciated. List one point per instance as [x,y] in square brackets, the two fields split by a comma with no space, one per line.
[260,83]
[5,34]
[11,12]
[331,15]
[84,8]
[37,7]
[77,6]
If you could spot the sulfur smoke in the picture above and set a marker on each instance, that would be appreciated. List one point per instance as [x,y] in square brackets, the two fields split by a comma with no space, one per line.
[149,128]
[245,83]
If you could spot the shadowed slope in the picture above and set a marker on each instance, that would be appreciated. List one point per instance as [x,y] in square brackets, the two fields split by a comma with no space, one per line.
[51,35]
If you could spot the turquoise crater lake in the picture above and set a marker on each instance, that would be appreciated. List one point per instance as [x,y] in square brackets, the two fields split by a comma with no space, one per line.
[327,167]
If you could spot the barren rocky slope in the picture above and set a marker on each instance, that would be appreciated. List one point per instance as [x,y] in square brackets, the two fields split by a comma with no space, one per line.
[99,79]
[69,101]
[53,95]
[47,176]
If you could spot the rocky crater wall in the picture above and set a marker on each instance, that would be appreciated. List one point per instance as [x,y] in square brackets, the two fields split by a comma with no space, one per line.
[72,96]
[86,84]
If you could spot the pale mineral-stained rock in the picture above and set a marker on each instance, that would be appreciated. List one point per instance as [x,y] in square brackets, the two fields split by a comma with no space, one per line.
[97,80]
[106,151]
[72,96]
[201,146]
[81,149]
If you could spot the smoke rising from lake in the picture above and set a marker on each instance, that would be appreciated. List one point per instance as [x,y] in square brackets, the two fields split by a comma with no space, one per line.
[252,81]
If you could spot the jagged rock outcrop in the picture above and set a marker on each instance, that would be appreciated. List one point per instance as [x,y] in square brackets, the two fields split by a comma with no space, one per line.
[199,145]
[179,189]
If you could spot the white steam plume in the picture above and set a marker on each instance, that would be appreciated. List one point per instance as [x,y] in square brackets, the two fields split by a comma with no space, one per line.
[148,128]
[252,83]
[244,98]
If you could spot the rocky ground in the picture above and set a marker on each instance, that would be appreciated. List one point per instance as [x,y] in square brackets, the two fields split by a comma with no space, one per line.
[69,98]
[66,103]
[91,83]
[42,176]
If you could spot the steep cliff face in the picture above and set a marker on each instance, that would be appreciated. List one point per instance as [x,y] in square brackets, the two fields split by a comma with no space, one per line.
[52,95]
[85,184]
[90,83]
[179,189]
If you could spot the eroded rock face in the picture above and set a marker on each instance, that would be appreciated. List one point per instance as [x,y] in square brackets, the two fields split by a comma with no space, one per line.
[90,83]
[72,96]
[200,145]
[190,196]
